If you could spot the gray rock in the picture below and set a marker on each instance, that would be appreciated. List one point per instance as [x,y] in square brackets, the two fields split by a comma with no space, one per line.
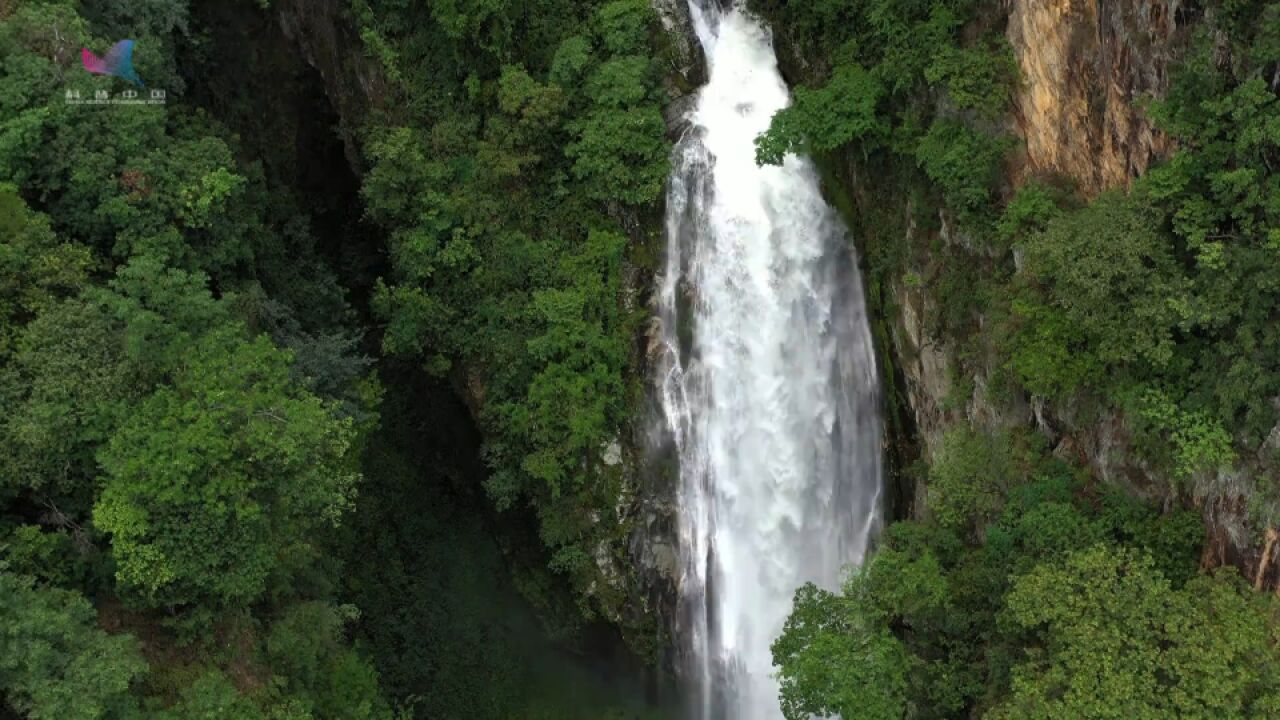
[612,454]
[676,114]
[686,56]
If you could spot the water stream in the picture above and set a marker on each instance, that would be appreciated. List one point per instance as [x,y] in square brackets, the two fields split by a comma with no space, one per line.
[768,382]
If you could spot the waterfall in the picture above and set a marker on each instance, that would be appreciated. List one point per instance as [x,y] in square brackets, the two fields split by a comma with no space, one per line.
[767,379]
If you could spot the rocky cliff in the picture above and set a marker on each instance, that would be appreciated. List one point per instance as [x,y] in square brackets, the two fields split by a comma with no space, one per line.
[325,34]
[1086,69]
[1086,66]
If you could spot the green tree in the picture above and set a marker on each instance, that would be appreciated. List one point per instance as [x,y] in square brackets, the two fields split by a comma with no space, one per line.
[213,697]
[964,163]
[55,663]
[833,661]
[970,476]
[326,678]
[820,120]
[67,385]
[35,268]
[216,477]
[1117,641]
[976,78]
[1115,277]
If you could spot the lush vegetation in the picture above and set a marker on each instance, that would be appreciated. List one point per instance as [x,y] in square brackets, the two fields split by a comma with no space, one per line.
[185,405]
[284,443]
[1031,589]
[1168,289]
[194,463]
[1157,300]
[1052,596]
[526,146]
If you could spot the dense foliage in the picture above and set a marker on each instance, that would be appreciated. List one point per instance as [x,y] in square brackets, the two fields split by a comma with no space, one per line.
[193,464]
[184,405]
[1057,598]
[1030,589]
[529,140]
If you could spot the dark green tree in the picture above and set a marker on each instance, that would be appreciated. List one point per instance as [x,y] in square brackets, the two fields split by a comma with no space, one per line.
[55,663]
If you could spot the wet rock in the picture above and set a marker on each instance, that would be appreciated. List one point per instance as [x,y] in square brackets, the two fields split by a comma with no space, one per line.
[676,114]
[685,55]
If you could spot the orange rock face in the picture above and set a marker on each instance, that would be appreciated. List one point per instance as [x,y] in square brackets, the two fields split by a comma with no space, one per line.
[1086,67]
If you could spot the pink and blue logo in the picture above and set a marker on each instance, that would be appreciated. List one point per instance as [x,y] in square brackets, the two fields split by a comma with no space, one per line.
[118,62]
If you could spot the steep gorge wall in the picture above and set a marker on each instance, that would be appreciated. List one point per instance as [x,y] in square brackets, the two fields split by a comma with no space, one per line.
[1086,69]
[325,34]
[638,571]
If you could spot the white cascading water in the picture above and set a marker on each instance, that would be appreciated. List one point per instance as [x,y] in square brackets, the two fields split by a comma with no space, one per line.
[768,379]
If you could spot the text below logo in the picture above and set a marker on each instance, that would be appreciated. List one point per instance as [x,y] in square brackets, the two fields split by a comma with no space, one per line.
[127,97]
